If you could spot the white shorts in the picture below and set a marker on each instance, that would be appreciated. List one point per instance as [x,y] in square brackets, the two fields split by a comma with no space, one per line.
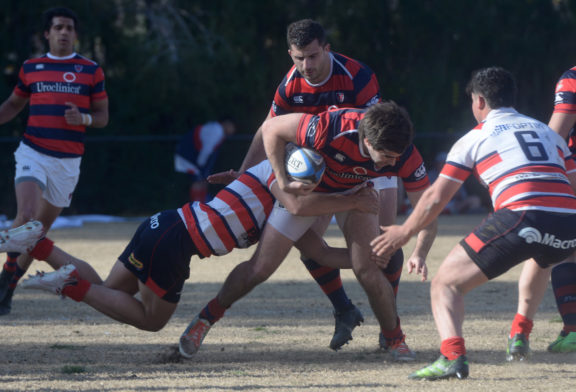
[294,227]
[57,177]
[291,226]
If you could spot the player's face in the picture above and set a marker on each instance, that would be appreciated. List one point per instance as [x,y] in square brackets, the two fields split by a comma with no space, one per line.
[62,36]
[381,158]
[312,61]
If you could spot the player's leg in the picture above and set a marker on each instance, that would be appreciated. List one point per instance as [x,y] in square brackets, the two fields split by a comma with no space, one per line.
[359,229]
[531,289]
[564,286]
[28,199]
[269,254]
[346,315]
[457,275]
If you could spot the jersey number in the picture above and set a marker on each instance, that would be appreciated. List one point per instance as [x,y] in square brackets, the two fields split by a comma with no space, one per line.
[534,150]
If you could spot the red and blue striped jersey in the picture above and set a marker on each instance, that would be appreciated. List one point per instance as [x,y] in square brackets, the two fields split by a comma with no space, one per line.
[521,161]
[565,99]
[350,84]
[235,217]
[334,134]
[50,82]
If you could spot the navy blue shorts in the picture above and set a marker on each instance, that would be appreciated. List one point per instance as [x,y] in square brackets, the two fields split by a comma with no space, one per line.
[159,254]
[507,238]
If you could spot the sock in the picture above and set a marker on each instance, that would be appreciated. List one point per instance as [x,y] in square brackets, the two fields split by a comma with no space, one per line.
[42,249]
[521,325]
[453,347]
[10,264]
[76,290]
[213,311]
[331,284]
[393,336]
[564,285]
[394,269]
[18,273]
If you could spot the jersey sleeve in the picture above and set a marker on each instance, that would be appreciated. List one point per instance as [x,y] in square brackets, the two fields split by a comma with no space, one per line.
[565,96]
[22,88]
[413,171]
[312,130]
[98,90]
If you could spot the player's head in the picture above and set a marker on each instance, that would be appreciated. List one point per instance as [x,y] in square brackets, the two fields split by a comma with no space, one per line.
[495,84]
[385,131]
[309,50]
[303,32]
[60,26]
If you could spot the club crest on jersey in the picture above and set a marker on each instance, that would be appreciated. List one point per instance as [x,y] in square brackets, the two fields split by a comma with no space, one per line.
[340,97]
[78,67]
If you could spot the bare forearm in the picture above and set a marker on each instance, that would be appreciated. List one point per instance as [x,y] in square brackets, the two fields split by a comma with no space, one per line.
[425,240]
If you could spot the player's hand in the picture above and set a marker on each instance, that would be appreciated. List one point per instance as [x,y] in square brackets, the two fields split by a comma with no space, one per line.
[381,261]
[418,265]
[391,239]
[366,200]
[223,178]
[297,188]
[72,114]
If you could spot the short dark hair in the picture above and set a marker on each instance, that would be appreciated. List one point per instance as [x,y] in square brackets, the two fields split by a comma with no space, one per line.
[49,14]
[495,84]
[302,32]
[387,126]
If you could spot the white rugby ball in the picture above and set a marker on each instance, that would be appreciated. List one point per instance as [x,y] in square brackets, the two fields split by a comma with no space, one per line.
[304,164]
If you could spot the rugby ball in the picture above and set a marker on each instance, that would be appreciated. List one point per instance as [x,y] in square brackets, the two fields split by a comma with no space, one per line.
[304,164]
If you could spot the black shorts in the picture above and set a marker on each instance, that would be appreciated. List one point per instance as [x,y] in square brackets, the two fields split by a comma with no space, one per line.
[507,238]
[159,254]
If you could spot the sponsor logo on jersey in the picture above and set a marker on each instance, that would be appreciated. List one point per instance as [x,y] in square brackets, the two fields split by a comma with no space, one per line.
[69,77]
[375,99]
[56,87]
[39,66]
[298,99]
[532,235]
[25,168]
[154,223]
[420,172]
[135,262]
[361,171]
[339,157]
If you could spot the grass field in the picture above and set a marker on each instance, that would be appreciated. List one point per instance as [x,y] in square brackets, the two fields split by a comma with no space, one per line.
[275,339]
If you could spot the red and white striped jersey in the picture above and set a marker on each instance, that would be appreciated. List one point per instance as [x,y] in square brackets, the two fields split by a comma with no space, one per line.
[521,160]
[50,82]
[236,215]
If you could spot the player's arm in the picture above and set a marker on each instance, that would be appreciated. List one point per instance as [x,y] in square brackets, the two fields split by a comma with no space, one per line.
[99,112]
[417,260]
[426,211]
[276,132]
[97,118]
[562,123]
[11,107]
[316,203]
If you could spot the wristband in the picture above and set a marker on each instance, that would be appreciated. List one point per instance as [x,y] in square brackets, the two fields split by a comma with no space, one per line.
[86,119]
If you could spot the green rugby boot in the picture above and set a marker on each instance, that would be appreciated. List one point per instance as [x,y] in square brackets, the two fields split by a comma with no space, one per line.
[518,348]
[442,369]
[564,343]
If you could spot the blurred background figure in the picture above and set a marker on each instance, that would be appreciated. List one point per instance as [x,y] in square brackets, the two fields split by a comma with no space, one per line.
[197,152]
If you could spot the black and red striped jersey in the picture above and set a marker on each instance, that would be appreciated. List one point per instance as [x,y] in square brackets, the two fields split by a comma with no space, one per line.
[334,134]
[350,84]
[565,99]
[49,83]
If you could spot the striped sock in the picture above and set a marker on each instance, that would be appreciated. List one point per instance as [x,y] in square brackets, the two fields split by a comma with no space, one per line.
[564,285]
[393,336]
[213,311]
[10,264]
[331,284]
[18,273]
[393,271]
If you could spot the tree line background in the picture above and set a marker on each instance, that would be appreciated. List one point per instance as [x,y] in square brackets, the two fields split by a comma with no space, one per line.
[173,63]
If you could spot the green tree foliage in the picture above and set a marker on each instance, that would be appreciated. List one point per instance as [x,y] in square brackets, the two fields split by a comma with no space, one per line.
[172,63]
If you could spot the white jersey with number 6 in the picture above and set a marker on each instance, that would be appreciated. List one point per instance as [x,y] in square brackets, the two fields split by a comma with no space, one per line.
[521,161]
